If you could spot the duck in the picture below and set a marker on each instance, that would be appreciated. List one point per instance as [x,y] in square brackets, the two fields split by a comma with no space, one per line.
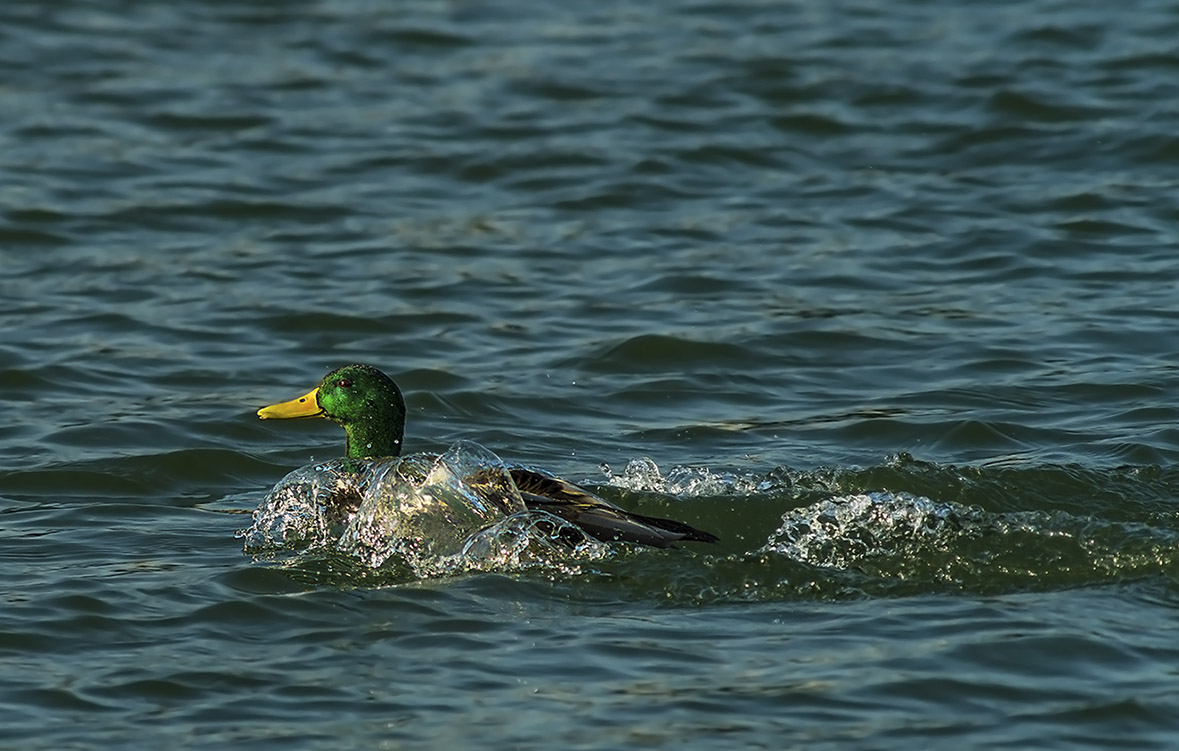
[368,405]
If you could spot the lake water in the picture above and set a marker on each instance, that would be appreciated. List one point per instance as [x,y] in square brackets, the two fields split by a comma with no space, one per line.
[884,295]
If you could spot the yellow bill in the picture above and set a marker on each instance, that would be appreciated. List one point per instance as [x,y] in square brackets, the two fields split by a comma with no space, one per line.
[305,406]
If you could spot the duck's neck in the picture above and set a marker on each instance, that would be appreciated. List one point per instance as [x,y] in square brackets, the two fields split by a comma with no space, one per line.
[371,437]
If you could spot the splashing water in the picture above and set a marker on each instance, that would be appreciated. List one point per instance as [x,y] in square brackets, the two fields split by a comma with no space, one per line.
[901,537]
[465,489]
[441,515]
[532,539]
[643,474]
[300,510]
[786,533]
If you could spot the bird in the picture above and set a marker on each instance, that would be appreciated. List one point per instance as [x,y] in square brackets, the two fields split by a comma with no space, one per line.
[368,405]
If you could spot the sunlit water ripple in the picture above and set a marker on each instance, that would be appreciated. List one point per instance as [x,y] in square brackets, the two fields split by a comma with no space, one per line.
[882,296]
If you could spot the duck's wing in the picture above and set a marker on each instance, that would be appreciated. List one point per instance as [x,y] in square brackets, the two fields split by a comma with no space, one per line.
[597,516]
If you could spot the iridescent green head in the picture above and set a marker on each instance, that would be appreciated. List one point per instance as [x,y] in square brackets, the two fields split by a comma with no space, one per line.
[362,400]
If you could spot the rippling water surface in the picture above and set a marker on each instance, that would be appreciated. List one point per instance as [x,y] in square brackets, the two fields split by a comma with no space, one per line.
[882,295]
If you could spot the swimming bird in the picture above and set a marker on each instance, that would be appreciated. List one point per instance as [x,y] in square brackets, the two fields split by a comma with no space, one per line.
[369,406]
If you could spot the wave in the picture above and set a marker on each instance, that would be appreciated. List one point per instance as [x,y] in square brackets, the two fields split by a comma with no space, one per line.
[786,533]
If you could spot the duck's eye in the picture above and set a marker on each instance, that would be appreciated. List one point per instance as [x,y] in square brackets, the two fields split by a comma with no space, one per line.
[344,383]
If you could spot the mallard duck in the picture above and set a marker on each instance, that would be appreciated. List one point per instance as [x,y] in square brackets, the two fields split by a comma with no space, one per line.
[369,406]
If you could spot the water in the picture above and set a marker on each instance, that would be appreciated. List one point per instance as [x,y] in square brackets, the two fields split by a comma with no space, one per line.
[881,295]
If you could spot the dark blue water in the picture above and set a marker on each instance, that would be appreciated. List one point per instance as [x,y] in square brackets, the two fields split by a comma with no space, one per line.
[884,296]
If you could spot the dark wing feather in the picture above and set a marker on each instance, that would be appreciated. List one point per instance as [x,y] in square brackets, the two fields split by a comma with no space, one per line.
[597,516]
